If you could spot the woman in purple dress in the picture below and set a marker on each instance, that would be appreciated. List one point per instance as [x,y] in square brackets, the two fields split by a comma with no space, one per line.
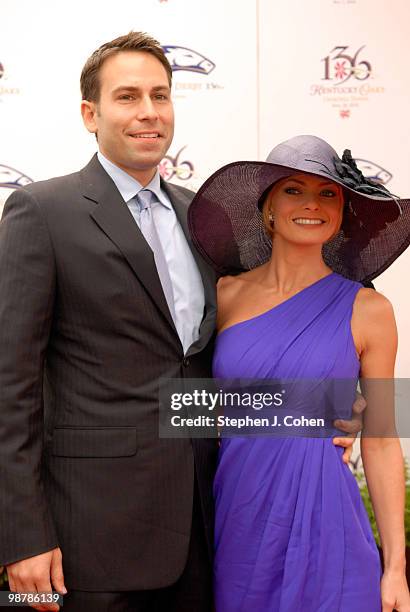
[294,239]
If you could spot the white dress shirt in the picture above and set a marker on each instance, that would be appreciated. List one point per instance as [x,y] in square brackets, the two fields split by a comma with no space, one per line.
[186,280]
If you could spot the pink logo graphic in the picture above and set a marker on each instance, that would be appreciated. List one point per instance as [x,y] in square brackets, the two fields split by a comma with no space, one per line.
[340,70]
[345,113]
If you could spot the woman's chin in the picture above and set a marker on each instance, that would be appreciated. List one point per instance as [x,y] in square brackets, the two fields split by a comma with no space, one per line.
[310,239]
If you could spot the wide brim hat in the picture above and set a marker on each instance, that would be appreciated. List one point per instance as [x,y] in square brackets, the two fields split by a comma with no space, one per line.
[227,227]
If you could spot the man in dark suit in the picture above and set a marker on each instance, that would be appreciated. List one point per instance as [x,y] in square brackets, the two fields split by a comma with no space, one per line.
[101,297]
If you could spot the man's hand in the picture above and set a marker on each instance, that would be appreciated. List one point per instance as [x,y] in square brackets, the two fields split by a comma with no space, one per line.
[38,574]
[351,427]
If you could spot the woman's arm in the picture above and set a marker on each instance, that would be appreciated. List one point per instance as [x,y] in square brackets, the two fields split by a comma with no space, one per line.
[380,446]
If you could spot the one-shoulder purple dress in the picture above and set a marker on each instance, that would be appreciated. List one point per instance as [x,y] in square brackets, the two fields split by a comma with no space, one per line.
[292,534]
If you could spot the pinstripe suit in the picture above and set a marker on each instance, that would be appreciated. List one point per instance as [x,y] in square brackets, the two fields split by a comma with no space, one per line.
[85,334]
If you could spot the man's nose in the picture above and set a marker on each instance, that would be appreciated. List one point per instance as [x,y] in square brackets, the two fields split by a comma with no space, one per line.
[146,109]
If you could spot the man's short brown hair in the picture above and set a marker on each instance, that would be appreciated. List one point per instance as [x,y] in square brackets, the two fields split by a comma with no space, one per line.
[134,41]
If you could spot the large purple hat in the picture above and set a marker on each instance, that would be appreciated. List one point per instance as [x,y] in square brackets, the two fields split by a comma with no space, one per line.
[227,227]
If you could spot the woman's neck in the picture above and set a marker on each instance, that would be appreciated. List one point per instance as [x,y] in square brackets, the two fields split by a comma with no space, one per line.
[292,267]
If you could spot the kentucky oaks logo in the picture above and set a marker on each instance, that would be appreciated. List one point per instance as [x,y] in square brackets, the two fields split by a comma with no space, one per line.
[347,79]
[6,88]
[172,166]
[184,60]
[11,179]
[373,171]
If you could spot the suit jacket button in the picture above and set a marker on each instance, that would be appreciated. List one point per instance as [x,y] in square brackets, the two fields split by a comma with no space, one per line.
[185,362]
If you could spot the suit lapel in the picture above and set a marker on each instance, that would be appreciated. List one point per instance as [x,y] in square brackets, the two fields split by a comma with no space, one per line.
[116,221]
[180,202]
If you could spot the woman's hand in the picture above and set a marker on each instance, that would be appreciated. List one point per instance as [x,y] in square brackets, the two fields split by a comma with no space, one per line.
[395,592]
[351,427]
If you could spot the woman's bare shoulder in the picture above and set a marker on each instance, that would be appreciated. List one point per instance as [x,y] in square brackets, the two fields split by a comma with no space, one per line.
[242,279]
[231,284]
[372,305]
[226,283]
[373,321]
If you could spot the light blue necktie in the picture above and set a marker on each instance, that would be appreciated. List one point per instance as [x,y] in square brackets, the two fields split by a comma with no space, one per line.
[145,199]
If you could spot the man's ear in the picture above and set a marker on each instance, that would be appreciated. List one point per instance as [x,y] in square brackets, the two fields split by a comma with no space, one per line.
[88,113]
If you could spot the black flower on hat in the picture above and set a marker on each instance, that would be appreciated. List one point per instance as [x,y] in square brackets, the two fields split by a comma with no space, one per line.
[350,175]
[368,223]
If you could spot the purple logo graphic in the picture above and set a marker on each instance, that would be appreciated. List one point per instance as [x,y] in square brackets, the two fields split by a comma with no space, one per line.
[374,171]
[340,66]
[10,178]
[169,166]
[182,58]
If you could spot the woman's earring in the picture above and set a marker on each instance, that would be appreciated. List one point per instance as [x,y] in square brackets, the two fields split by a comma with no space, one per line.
[271,218]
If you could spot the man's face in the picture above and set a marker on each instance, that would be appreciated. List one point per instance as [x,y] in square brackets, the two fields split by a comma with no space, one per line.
[134,117]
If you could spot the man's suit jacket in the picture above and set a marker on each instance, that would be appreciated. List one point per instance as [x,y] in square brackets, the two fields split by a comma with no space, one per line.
[85,333]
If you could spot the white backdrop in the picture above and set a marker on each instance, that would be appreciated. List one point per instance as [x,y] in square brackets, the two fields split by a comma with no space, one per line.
[250,75]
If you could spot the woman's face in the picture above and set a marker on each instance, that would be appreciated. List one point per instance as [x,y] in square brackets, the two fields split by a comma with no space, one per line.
[306,209]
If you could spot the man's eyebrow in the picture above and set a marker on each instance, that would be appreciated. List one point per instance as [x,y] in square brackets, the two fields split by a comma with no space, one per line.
[135,88]
[161,88]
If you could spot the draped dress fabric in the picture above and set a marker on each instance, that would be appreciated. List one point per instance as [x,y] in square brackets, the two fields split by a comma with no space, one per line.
[292,533]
